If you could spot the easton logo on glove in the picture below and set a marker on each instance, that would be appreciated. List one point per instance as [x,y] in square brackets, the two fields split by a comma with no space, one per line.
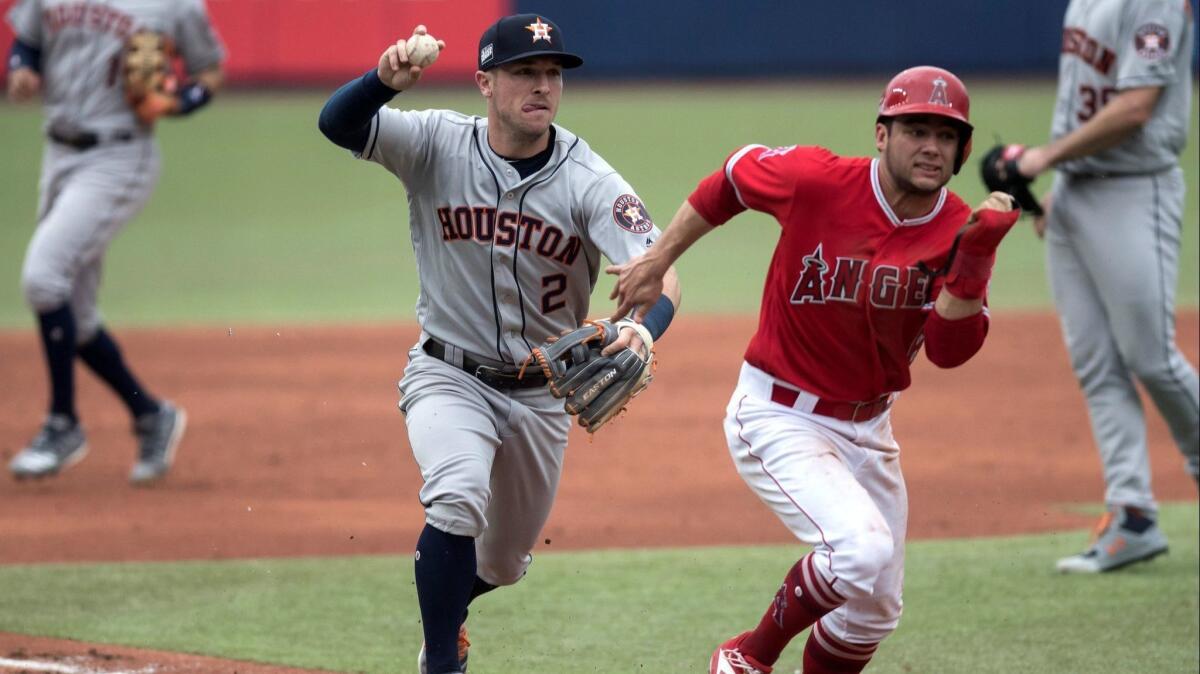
[595,387]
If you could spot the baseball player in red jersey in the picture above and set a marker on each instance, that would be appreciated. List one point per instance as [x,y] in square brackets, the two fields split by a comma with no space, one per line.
[875,258]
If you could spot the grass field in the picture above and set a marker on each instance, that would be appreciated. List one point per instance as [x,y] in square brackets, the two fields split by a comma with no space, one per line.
[980,606]
[259,219]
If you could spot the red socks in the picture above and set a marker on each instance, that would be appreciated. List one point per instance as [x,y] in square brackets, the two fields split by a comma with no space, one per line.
[803,598]
[825,654]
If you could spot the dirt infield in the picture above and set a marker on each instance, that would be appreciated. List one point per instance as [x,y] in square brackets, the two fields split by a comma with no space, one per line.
[295,448]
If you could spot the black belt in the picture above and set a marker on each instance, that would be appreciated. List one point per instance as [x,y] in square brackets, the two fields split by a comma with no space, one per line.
[498,375]
[1100,175]
[86,140]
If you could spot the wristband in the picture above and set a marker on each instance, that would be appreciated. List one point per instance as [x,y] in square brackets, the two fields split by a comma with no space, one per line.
[192,97]
[25,55]
[969,275]
[659,317]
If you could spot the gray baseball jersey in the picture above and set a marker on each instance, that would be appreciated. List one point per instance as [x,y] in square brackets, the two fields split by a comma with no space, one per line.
[504,262]
[81,43]
[1111,45]
[1113,234]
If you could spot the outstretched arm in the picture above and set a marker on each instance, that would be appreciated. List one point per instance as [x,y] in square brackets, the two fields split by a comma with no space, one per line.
[643,279]
[1123,115]
[955,331]
[346,117]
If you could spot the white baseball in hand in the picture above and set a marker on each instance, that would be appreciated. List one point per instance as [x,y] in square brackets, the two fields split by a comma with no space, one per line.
[422,50]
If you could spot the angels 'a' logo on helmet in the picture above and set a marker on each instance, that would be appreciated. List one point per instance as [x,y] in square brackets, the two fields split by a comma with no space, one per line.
[938,96]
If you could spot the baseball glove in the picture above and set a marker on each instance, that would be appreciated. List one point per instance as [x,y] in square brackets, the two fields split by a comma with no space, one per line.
[596,387]
[999,172]
[150,82]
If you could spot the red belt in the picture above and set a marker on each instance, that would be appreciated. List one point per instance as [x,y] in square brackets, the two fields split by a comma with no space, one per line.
[859,411]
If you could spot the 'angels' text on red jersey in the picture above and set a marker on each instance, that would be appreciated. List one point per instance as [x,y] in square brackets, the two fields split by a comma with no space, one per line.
[849,286]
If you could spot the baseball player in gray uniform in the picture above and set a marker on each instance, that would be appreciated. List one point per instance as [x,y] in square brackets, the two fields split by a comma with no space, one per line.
[99,167]
[509,217]
[1112,231]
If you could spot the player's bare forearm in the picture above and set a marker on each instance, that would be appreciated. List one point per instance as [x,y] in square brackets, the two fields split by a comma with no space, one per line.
[1127,112]
[211,78]
[641,281]
[671,287]
[954,308]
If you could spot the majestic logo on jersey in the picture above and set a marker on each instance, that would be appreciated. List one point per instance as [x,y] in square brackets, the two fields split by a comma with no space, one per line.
[938,96]
[1076,41]
[96,17]
[1152,41]
[631,215]
[889,286]
[482,224]
[541,31]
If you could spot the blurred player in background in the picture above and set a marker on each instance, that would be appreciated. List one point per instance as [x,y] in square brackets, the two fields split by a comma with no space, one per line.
[1112,229]
[99,167]
[863,277]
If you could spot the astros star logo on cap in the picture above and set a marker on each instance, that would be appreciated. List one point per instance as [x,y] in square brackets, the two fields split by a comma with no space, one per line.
[541,31]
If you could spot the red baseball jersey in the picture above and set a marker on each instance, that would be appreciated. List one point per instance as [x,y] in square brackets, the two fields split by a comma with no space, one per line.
[846,297]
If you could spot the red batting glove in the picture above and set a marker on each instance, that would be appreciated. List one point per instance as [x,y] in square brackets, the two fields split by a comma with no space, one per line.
[972,267]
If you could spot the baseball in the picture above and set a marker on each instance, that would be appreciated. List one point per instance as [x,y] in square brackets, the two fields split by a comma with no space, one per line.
[422,50]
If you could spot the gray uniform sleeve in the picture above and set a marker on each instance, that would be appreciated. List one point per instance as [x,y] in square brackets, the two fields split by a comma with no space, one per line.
[617,221]
[196,39]
[25,17]
[401,141]
[1152,33]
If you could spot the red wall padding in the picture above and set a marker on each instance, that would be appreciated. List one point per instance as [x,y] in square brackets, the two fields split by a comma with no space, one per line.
[300,41]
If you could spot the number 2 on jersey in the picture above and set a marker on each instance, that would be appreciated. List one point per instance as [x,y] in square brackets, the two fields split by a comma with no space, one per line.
[555,285]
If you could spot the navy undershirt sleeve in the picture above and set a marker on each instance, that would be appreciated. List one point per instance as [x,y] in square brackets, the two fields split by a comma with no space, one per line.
[346,117]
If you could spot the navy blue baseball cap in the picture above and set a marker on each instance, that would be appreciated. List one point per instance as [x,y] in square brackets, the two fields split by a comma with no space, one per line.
[522,36]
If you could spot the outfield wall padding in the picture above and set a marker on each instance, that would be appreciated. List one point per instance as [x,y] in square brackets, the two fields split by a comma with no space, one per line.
[326,41]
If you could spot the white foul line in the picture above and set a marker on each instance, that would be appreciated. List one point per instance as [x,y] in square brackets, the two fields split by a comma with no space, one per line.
[35,666]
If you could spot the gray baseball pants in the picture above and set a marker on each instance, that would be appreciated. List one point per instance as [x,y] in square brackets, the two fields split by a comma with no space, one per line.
[490,459]
[1112,254]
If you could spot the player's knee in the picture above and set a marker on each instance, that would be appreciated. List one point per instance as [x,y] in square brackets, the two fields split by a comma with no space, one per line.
[875,618]
[861,557]
[1152,366]
[44,291]
[87,324]
[504,569]
[458,515]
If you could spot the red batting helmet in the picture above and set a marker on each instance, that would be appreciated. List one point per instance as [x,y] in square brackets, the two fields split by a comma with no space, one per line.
[928,90]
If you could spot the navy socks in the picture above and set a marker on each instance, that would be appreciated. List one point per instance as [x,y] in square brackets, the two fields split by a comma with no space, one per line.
[445,574]
[57,329]
[104,358]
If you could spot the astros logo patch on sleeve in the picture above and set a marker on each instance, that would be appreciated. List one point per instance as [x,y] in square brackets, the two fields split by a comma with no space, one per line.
[1152,41]
[631,215]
